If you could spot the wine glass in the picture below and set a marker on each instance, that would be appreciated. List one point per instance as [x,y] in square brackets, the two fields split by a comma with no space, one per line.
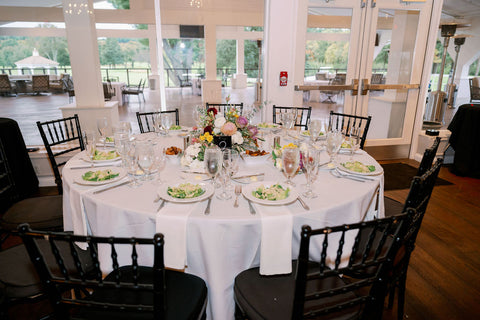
[159,163]
[102,126]
[120,139]
[157,123]
[166,122]
[133,169]
[288,119]
[334,142]
[314,127]
[355,137]
[145,158]
[290,161]
[90,140]
[310,161]
[125,126]
[197,115]
[213,161]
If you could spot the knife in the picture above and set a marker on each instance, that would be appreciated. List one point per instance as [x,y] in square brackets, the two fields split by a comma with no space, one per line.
[250,205]
[249,175]
[304,205]
[112,187]
[161,205]
[207,209]
[95,166]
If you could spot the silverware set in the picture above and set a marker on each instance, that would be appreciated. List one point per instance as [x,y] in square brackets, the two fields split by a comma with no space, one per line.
[339,174]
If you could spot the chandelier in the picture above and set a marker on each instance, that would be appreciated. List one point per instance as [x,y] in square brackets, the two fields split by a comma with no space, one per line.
[77,8]
[196,3]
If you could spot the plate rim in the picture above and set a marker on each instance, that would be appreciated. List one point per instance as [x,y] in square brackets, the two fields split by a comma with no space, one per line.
[292,197]
[78,176]
[209,190]
[378,171]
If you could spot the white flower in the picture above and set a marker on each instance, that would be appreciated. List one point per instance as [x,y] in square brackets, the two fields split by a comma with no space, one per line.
[196,164]
[237,138]
[216,131]
[193,150]
[220,121]
[278,164]
[303,147]
[185,161]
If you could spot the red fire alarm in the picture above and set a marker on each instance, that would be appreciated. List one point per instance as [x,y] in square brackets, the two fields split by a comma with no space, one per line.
[283,78]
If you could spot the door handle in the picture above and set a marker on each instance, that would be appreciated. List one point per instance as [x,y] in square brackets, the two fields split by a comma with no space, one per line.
[353,87]
[366,86]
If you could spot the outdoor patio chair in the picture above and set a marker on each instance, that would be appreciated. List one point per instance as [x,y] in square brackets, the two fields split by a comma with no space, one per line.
[40,84]
[344,122]
[59,85]
[6,87]
[128,292]
[61,137]
[316,289]
[108,90]
[137,90]
[69,88]
[183,83]
[146,119]
[302,115]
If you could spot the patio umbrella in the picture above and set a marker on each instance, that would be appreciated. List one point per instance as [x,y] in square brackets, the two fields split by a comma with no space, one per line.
[36,61]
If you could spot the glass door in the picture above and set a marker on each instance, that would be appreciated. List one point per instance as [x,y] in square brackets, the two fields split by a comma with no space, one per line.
[378,49]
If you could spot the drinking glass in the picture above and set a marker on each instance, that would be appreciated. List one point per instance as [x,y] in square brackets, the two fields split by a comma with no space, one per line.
[197,115]
[121,138]
[102,126]
[310,161]
[90,140]
[334,142]
[145,158]
[213,161]
[355,134]
[159,163]
[288,120]
[230,163]
[125,126]
[133,170]
[166,122]
[157,124]
[314,127]
[290,161]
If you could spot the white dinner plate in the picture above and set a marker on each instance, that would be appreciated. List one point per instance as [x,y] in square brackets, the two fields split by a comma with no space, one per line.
[78,176]
[87,159]
[268,126]
[248,193]
[256,159]
[163,194]
[378,169]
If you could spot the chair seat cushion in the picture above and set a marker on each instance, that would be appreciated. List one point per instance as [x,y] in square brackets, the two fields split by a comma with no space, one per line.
[271,297]
[40,213]
[18,278]
[186,296]
[392,207]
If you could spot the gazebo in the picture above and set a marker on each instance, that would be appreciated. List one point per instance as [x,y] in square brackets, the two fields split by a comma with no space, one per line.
[36,61]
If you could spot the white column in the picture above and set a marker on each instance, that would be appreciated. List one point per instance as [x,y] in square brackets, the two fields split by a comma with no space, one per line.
[285,27]
[83,50]
[240,55]
[211,87]
[159,60]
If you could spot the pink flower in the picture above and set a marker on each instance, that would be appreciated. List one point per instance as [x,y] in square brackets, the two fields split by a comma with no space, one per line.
[212,110]
[241,122]
[229,128]
[253,131]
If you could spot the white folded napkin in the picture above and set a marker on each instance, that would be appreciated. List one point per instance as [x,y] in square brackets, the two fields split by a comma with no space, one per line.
[276,242]
[171,221]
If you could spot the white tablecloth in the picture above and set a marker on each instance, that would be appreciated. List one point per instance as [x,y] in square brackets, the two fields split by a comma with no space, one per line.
[228,241]
[118,92]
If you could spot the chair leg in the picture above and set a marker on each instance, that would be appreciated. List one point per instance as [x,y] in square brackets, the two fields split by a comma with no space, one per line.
[391,297]
[239,314]
[401,296]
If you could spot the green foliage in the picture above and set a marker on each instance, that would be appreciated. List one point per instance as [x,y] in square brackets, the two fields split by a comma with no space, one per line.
[120,4]
[226,54]
[251,58]
[111,53]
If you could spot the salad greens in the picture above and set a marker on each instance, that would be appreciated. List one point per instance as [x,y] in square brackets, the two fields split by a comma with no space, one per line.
[357,166]
[267,125]
[105,155]
[100,175]
[109,139]
[346,144]
[174,127]
[186,191]
[274,192]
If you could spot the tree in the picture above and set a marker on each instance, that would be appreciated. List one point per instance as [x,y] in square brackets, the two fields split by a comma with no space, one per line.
[111,52]
[226,54]
[120,4]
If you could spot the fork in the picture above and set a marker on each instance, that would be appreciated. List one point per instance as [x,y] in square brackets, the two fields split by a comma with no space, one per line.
[238,191]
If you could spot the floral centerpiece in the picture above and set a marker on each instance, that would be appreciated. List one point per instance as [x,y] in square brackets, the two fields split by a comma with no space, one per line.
[213,123]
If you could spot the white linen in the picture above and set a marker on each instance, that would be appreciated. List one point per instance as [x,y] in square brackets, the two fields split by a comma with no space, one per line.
[229,240]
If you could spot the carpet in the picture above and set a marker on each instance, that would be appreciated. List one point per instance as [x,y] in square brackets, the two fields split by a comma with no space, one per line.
[400,175]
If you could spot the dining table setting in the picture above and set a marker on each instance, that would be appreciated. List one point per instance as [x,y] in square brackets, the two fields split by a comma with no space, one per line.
[221,210]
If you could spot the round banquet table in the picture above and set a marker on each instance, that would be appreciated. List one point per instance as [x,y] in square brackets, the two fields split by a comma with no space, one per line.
[218,246]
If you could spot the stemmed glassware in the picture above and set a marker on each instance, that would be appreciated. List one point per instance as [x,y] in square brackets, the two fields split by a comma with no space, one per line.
[145,159]
[166,122]
[213,159]
[290,162]
[157,124]
[197,115]
[102,126]
[355,134]
[159,163]
[288,120]
[133,169]
[310,161]
[121,139]
[90,140]
[314,127]
[126,127]
[334,142]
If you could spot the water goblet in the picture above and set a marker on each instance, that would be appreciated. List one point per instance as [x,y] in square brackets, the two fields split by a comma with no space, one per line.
[157,124]
[160,161]
[355,135]
[145,158]
[102,126]
[133,169]
[124,126]
[290,162]
[334,142]
[90,140]
[213,161]
[310,161]
[120,139]
[166,122]
[314,127]
[288,120]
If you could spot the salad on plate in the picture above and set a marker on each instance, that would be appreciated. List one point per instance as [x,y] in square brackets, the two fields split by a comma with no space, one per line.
[105,155]
[100,175]
[186,191]
[272,193]
[357,166]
